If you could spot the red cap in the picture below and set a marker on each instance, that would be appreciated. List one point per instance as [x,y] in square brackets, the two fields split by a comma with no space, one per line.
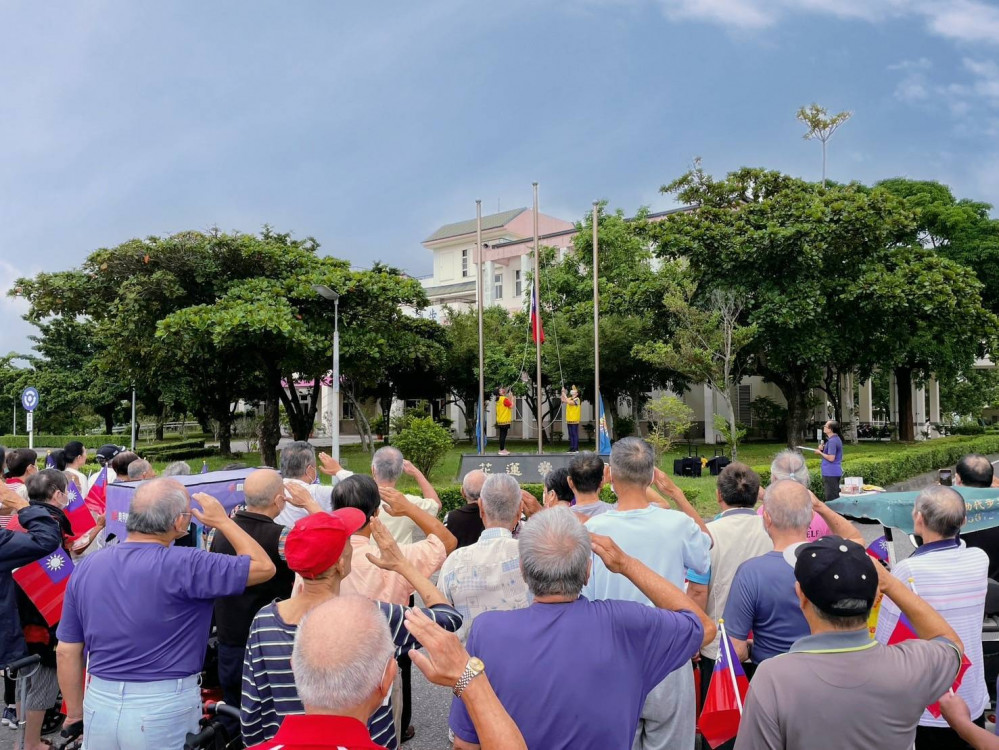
[316,542]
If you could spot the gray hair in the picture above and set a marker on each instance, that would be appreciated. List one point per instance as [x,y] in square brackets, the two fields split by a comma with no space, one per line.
[789,464]
[177,469]
[500,499]
[554,553]
[296,458]
[137,468]
[261,487]
[471,485]
[789,506]
[386,464]
[632,461]
[339,674]
[942,508]
[156,505]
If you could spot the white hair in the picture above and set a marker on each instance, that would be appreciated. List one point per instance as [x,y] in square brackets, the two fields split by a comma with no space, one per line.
[554,553]
[155,507]
[386,464]
[789,464]
[500,499]
[789,505]
[342,649]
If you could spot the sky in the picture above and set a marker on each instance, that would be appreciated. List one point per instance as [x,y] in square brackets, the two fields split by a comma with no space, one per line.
[368,125]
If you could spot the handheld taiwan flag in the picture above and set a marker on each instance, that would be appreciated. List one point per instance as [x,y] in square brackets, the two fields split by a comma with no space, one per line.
[44,581]
[97,498]
[79,515]
[904,631]
[49,460]
[726,696]
[878,549]
[537,330]
[603,434]
[204,467]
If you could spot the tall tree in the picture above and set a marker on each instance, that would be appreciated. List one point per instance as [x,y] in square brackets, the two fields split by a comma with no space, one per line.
[821,127]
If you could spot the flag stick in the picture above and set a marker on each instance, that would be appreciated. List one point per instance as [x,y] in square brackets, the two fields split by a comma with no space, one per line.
[596,326]
[479,426]
[727,645]
[537,301]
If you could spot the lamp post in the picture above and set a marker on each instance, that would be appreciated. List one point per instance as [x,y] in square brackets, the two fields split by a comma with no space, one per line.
[326,293]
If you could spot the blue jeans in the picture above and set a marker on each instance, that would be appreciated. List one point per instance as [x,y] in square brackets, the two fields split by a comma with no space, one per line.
[140,715]
[573,435]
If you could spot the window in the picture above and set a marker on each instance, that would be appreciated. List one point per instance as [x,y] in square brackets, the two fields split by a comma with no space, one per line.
[517,290]
[743,412]
[498,285]
[464,264]
[346,409]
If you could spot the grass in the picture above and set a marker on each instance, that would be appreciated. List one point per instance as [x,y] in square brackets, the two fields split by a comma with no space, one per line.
[753,454]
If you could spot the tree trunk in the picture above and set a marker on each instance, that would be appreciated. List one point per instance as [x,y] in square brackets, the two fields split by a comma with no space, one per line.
[108,421]
[160,420]
[225,433]
[270,430]
[903,403]
[797,414]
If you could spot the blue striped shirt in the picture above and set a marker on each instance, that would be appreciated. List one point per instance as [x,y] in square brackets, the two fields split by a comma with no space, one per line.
[269,692]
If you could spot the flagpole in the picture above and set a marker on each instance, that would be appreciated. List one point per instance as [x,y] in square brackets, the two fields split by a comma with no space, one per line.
[537,299]
[596,329]
[480,417]
[727,645]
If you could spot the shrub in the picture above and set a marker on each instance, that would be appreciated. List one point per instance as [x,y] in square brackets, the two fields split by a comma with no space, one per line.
[624,426]
[424,442]
[451,495]
[669,420]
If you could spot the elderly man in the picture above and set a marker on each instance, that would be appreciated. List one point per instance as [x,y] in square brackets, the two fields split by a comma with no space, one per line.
[140,470]
[119,466]
[738,535]
[265,497]
[790,464]
[837,688]
[298,467]
[317,549]
[387,465]
[486,576]
[975,470]
[21,464]
[466,522]
[343,681]
[564,646]
[667,541]
[953,579]
[40,537]
[141,610]
[761,599]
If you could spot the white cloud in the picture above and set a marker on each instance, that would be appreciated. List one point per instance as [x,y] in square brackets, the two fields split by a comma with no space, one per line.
[963,20]
[14,331]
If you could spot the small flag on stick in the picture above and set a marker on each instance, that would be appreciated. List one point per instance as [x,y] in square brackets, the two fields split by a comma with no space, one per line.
[726,695]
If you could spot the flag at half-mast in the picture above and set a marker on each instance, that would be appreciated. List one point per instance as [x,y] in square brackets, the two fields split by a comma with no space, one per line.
[44,581]
[537,330]
[97,498]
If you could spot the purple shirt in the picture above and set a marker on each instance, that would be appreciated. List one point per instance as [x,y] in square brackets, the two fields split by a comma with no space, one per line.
[547,663]
[143,610]
[834,448]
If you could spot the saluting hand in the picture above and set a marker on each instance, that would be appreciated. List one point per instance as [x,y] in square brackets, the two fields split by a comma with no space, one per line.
[391,556]
[212,513]
[607,550]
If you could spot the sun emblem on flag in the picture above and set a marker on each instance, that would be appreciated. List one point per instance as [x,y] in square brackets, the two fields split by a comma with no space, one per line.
[544,468]
[55,563]
[73,496]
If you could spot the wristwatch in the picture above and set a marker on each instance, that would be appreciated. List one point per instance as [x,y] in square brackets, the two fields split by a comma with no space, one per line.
[473,669]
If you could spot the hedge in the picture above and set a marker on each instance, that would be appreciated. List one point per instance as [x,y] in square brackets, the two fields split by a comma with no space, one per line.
[451,495]
[888,469]
[93,442]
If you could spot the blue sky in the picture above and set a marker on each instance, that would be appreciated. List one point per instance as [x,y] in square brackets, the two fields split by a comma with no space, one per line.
[367,125]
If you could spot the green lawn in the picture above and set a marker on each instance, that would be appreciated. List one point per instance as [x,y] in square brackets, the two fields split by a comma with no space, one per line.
[754,454]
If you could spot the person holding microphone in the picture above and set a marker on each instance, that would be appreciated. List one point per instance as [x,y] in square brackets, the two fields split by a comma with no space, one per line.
[831,452]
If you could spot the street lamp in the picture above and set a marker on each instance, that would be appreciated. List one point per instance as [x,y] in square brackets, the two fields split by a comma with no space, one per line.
[326,293]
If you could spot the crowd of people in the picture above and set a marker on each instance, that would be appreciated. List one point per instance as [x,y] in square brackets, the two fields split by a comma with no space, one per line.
[564,622]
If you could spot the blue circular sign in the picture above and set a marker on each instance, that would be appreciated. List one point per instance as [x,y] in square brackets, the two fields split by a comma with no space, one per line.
[29,399]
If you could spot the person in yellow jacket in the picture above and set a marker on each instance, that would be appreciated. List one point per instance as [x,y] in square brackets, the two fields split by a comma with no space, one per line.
[504,415]
[572,409]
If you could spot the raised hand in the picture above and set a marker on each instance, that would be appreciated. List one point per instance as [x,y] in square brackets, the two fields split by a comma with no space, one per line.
[410,469]
[329,465]
[391,556]
[607,550]
[212,514]
[395,502]
[443,658]
[529,503]
[10,501]
[297,495]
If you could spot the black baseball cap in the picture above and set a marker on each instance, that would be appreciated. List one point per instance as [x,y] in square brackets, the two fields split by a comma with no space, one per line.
[106,452]
[832,570]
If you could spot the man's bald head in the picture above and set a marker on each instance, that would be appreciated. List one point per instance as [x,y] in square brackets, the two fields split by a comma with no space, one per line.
[789,506]
[156,505]
[349,671]
[942,510]
[261,487]
[471,485]
[975,470]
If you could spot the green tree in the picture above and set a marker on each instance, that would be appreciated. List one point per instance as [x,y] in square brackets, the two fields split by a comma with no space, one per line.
[821,126]
[792,251]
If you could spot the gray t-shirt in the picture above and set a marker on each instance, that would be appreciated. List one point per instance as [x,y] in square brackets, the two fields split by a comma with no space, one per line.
[843,690]
[593,509]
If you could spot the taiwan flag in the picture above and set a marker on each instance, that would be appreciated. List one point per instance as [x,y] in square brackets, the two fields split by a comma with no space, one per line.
[79,515]
[44,581]
[726,696]
[537,330]
[904,632]
[878,549]
[97,498]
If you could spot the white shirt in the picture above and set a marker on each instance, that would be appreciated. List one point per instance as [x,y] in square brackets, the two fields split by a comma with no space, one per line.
[953,580]
[82,483]
[322,494]
[400,527]
[483,577]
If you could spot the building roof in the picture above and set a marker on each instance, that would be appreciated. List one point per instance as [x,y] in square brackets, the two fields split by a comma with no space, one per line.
[657,216]
[440,290]
[492,221]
